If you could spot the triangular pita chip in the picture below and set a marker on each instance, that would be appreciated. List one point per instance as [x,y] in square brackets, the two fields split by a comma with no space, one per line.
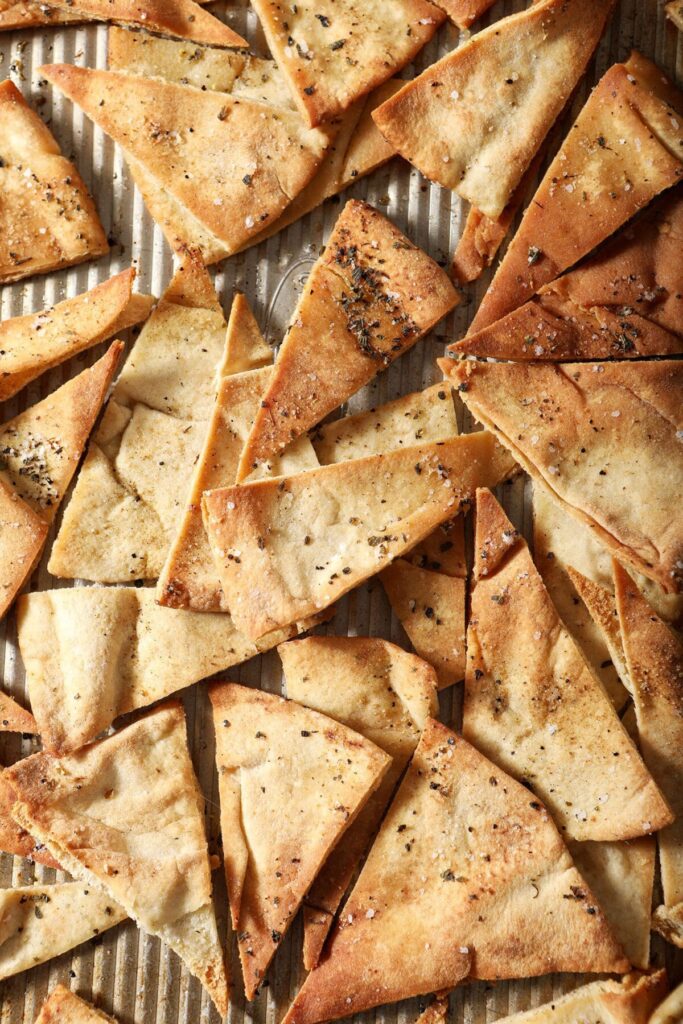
[14,718]
[436,1012]
[624,303]
[602,438]
[654,658]
[464,12]
[291,782]
[334,51]
[474,120]
[65,1007]
[671,1010]
[367,300]
[385,694]
[180,18]
[231,162]
[130,493]
[629,1001]
[92,654]
[47,219]
[533,704]
[36,342]
[623,150]
[468,877]
[39,922]
[39,452]
[289,547]
[602,608]
[674,11]
[126,815]
[21,14]
[13,838]
[246,348]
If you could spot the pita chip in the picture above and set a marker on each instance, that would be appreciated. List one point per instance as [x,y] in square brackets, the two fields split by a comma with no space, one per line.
[232,163]
[602,439]
[14,718]
[628,1001]
[332,53]
[368,299]
[126,816]
[595,183]
[671,1010]
[624,303]
[180,18]
[498,895]
[385,694]
[674,11]
[13,838]
[436,1012]
[474,120]
[39,922]
[246,348]
[36,342]
[21,14]
[64,1007]
[464,12]
[130,493]
[289,547]
[290,781]
[41,449]
[47,219]
[533,704]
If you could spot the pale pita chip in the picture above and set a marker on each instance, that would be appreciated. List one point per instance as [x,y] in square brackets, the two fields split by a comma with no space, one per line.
[464,12]
[602,438]
[602,608]
[21,14]
[232,163]
[40,450]
[332,52]
[126,815]
[180,18]
[368,299]
[496,895]
[474,120]
[291,781]
[385,694]
[290,547]
[246,348]
[674,11]
[64,1007]
[629,1001]
[13,838]
[130,493]
[624,303]
[14,718]
[34,343]
[92,654]
[39,922]
[623,150]
[671,1010]
[534,706]
[47,219]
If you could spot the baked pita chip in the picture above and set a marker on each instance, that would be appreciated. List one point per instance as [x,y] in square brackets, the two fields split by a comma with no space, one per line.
[39,922]
[21,14]
[246,348]
[436,1012]
[64,1007]
[533,704]
[368,299]
[291,782]
[41,449]
[126,816]
[92,654]
[629,1001]
[674,11]
[671,1010]
[624,303]
[13,838]
[602,608]
[332,53]
[47,219]
[130,493]
[180,18]
[623,150]
[385,694]
[596,436]
[290,547]
[474,120]
[36,342]
[495,896]
[464,12]
[231,162]
[14,718]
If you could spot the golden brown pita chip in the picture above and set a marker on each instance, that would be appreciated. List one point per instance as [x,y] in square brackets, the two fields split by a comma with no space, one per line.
[674,11]
[602,438]
[368,299]
[130,493]
[36,342]
[385,694]
[534,706]
[232,163]
[623,150]
[602,608]
[335,51]
[14,718]
[180,18]
[671,1010]
[464,12]
[13,838]
[629,1001]
[474,120]
[47,219]
[624,303]
[291,782]
[436,1012]
[41,449]
[126,816]
[39,922]
[246,348]
[495,895]
[289,547]
[64,1007]
[20,14]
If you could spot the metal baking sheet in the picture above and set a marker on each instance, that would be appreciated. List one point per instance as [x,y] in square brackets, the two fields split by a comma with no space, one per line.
[125,972]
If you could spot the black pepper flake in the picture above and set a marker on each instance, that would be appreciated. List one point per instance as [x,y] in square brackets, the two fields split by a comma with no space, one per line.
[309,90]
[305,732]
[324,20]
[247,179]
[534,254]
[275,936]
[337,44]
